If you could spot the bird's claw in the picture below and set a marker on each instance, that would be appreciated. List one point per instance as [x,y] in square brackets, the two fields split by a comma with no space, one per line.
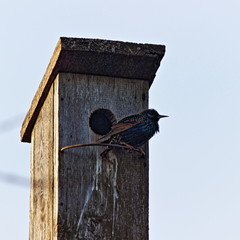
[139,150]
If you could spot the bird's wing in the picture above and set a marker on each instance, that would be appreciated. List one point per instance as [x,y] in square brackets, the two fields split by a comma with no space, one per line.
[118,128]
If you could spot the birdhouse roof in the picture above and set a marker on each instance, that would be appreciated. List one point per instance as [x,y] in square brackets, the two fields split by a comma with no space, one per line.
[94,57]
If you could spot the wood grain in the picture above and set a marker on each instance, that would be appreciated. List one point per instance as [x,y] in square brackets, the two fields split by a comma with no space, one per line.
[41,195]
[99,198]
[76,194]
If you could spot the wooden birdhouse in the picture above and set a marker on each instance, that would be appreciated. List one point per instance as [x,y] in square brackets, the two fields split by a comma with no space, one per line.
[77,193]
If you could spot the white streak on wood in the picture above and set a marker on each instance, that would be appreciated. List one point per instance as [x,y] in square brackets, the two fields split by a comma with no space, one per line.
[98,171]
[87,198]
[91,188]
[113,159]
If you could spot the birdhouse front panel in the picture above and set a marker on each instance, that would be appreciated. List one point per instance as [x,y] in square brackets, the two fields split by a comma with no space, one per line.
[83,172]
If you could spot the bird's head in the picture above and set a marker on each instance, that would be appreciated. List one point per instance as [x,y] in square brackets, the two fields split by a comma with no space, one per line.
[154,115]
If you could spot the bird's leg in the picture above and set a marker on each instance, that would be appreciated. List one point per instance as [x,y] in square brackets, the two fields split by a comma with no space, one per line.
[131,149]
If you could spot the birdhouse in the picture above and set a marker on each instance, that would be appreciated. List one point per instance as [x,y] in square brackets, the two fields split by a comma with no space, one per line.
[79,193]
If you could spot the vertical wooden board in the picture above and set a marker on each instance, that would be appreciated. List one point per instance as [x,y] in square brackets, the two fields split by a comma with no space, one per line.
[55,157]
[42,173]
[99,198]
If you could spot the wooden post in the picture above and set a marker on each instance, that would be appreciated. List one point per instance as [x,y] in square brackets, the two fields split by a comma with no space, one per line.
[77,194]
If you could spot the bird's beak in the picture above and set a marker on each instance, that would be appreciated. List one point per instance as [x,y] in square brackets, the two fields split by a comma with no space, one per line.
[162,116]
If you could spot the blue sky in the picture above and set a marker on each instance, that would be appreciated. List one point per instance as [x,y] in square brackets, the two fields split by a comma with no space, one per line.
[194,161]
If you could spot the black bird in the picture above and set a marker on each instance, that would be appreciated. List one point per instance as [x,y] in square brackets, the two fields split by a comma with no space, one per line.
[131,132]
[135,130]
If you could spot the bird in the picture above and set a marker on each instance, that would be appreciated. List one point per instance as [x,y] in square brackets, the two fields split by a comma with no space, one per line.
[129,133]
[135,130]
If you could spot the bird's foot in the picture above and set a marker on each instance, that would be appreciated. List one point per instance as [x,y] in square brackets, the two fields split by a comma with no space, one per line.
[130,147]
[133,149]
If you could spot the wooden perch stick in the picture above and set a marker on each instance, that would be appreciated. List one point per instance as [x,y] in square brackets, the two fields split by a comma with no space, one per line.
[97,144]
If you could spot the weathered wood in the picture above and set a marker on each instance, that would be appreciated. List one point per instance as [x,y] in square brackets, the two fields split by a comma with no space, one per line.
[77,193]
[98,198]
[95,57]
[41,195]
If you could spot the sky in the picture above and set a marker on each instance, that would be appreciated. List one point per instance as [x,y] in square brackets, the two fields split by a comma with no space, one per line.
[195,160]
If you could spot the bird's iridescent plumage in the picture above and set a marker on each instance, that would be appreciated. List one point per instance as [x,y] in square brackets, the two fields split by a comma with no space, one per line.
[134,130]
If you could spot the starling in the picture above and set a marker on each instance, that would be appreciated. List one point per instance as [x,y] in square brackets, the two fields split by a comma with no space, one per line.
[131,132]
[134,130]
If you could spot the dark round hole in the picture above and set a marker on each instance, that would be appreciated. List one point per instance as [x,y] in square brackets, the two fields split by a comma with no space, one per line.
[101,121]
